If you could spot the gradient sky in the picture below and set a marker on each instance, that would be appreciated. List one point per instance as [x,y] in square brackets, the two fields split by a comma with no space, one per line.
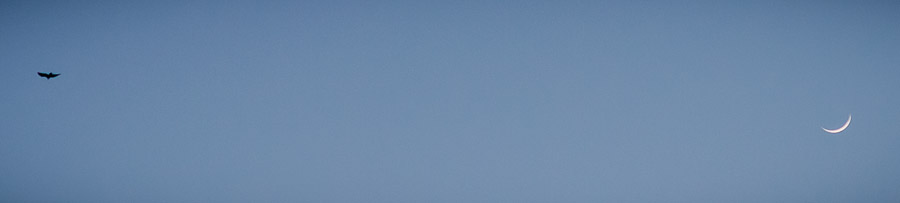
[449,101]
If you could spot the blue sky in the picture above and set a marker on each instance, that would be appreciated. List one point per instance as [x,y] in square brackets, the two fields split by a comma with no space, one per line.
[449,101]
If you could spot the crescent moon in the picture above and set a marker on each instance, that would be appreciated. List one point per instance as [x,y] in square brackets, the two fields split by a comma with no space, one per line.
[842,127]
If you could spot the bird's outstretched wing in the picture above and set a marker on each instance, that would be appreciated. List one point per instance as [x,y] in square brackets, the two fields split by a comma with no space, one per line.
[43,74]
[54,74]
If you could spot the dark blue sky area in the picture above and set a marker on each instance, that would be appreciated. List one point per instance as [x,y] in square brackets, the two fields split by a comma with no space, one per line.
[449,101]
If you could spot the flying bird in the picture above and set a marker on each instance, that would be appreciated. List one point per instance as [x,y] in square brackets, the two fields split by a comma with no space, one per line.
[48,75]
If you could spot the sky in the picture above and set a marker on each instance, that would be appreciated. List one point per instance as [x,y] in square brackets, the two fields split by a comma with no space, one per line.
[449,101]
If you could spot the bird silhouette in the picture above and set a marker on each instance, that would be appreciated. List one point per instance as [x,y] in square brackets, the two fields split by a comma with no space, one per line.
[48,75]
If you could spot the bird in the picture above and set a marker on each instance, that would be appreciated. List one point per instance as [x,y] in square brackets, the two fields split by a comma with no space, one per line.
[48,75]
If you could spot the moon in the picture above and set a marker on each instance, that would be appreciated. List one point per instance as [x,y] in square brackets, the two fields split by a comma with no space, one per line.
[842,127]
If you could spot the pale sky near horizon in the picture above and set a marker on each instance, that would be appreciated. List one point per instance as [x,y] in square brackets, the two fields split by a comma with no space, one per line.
[449,101]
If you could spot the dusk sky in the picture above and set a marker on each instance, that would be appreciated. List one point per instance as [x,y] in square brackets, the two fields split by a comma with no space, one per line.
[449,101]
